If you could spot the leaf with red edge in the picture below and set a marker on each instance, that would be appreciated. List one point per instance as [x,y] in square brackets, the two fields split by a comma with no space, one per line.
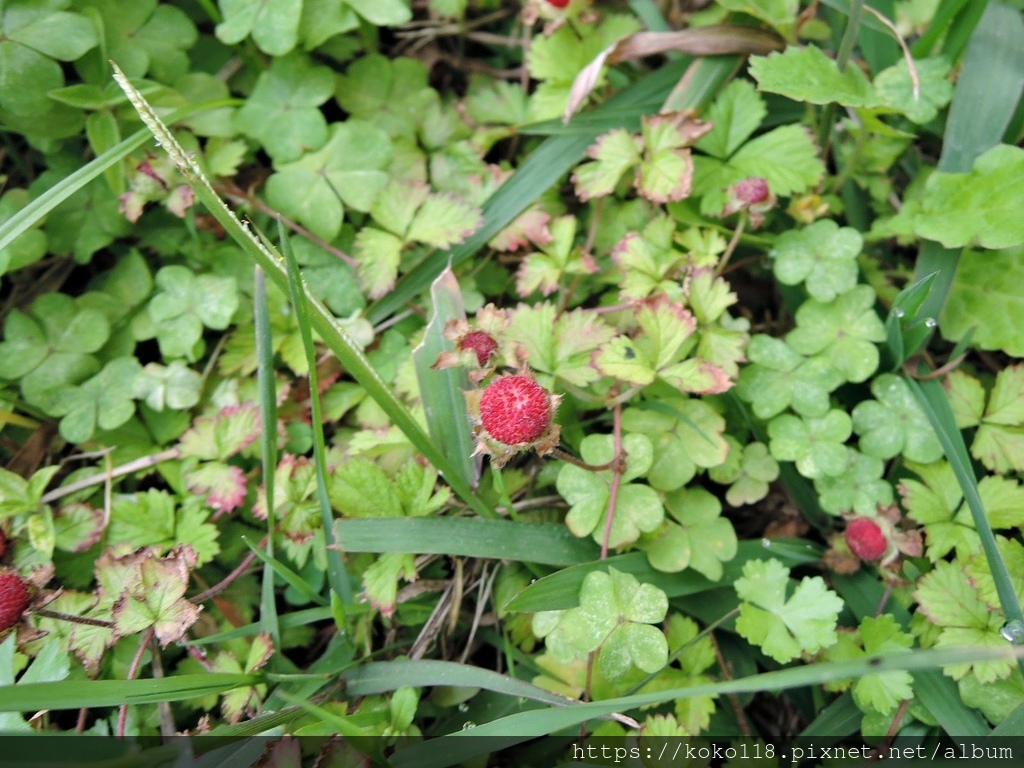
[531,226]
[223,484]
[380,580]
[78,527]
[158,600]
[223,435]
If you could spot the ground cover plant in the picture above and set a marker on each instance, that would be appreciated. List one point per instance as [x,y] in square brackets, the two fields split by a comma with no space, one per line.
[409,371]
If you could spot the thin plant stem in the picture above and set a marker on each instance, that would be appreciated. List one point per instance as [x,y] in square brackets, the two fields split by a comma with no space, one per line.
[224,583]
[558,453]
[733,698]
[733,242]
[133,670]
[138,465]
[618,467]
[59,616]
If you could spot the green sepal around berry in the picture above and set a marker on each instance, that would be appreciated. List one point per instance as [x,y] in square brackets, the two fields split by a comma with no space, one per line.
[784,628]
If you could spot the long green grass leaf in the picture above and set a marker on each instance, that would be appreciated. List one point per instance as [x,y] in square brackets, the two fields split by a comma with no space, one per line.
[467,537]
[75,694]
[337,575]
[441,391]
[348,354]
[384,676]
[932,398]
[287,574]
[561,590]
[268,445]
[553,159]
[455,748]
[289,620]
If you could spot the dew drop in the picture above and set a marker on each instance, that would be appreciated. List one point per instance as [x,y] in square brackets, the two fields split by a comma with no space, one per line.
[766,543]
[463,707]
[468,725]
[931,322]
[899,312]
[1013,632]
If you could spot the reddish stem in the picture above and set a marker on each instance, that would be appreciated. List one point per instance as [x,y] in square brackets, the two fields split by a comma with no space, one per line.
[617,469]
[133,670]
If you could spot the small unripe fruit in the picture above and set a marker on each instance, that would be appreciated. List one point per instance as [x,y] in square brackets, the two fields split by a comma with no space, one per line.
[13,599]
[515,409]
[866,539]
[481,343]
[752,191]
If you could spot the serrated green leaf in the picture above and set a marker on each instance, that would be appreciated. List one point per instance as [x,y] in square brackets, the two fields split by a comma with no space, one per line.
[807,74]
[895,88]
[980,207]
[784,628]
[735,114]
[981,299]
[859,488]
[377,254]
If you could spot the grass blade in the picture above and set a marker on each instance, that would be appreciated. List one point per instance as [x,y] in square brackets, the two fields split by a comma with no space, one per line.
[268,445]
[863,594]
[561,590]
[290,577]
[932,398]
[384,676]
[75,694]
[348,354]
[441,391]
[456,748]
[337,575]
[467,537]
[289,620]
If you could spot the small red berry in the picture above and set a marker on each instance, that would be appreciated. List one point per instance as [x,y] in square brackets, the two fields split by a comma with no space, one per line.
[515,409]
[558,3]
[751,191]
[866,539]
[480,342]
[13,599]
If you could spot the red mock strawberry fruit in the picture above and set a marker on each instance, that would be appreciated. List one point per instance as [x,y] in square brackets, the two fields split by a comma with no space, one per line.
[14,599]
[558,3]
[481,343]
[866,539]
[513,414]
